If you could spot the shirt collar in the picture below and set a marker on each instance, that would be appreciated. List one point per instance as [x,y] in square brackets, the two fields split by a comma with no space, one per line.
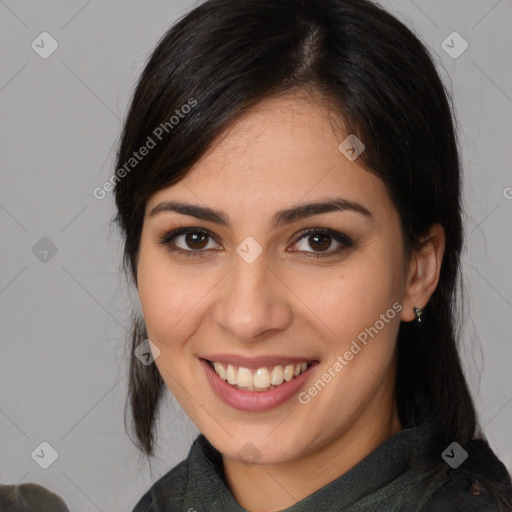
[397,464]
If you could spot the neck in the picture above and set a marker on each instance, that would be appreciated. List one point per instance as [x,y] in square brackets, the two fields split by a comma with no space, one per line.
[270,488]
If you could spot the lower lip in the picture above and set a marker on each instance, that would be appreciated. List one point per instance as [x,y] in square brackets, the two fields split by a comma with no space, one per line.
[255,400]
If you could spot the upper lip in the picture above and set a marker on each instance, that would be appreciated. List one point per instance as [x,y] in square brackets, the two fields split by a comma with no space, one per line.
[256,362]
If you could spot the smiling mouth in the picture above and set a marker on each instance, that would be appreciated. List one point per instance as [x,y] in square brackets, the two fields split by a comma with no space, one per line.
[260,379]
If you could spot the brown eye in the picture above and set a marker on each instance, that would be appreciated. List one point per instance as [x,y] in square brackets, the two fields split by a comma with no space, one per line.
[196,240]
[319,242]
[189,241]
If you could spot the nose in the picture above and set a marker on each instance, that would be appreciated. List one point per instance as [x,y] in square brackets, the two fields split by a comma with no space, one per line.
[253,303]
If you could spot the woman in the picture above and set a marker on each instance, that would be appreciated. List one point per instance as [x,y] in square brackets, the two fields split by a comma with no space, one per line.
[288,187]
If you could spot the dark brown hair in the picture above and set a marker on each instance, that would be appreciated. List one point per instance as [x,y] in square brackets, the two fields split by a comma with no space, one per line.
[229,54]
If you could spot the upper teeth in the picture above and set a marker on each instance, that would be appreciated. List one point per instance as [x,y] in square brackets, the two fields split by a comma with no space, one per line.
[260,379]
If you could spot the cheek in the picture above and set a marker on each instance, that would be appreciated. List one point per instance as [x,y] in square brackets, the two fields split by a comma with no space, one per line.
[348,301]
[164,296]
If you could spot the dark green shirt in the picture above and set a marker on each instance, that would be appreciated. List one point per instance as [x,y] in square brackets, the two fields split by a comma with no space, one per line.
[405,473]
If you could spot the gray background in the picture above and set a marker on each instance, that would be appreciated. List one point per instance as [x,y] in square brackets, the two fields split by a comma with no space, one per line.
[63,363]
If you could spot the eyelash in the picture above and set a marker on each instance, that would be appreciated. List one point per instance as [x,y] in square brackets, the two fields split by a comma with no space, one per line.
[343,239]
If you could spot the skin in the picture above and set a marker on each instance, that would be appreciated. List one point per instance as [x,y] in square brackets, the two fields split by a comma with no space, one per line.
[280,153]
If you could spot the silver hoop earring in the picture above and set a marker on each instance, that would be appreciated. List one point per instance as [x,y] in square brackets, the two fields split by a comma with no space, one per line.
[418,312]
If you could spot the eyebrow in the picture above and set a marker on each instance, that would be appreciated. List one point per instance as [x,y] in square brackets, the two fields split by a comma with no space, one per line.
[280,218]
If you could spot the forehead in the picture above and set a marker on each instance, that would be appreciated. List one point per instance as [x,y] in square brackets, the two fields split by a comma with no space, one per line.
[279,152]
[277,132]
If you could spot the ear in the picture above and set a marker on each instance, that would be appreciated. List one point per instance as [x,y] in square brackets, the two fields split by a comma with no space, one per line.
[424,270]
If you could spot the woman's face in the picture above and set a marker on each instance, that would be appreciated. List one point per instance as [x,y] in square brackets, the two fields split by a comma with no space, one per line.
[267,285]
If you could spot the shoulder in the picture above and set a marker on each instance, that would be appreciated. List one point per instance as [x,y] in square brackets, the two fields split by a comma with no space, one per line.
[178,488]
[169,490]
[469,486]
